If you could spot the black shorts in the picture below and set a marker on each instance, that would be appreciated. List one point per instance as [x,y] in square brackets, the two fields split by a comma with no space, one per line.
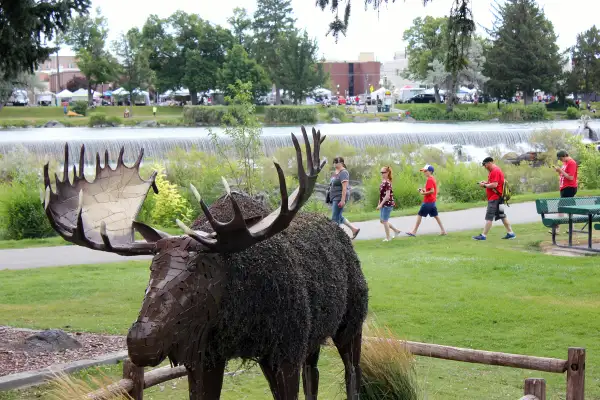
[493,211]
[428,209]
[568,192]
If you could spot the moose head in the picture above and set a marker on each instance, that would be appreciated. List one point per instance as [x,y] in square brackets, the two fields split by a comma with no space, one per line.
[188,274]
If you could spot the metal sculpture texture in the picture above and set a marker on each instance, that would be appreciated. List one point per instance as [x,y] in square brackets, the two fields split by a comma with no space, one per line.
[270,290]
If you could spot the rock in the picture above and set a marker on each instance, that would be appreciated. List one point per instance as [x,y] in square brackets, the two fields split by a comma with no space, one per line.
[376,120]
[360,120]
[410,119]
[335,120]
[494,120]
[394,118]
[148,124]
[50,341]
[53,124]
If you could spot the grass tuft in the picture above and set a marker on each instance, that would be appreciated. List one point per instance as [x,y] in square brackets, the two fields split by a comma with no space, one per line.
[67,387]
[388,369]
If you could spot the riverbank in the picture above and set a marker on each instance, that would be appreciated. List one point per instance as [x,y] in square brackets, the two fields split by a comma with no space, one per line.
[44,117]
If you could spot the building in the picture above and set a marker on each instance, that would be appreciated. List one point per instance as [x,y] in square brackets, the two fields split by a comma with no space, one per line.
[57,71]
[352,78]
[392,72]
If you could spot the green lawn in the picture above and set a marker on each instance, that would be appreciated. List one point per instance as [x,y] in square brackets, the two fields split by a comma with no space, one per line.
[496,295]
[57,112]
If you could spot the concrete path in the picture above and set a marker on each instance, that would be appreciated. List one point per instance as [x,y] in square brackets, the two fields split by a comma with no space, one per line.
[453,221]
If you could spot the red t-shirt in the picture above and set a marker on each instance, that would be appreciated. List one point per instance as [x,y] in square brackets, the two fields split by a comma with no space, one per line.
[383,188]
[570,167]
[496,175]
[430,184]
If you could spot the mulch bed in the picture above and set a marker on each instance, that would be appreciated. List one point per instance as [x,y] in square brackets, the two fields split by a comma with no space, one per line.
[14,359]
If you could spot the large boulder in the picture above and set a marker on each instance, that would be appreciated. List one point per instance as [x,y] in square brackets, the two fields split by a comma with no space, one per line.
[53,124]
[360,119]
[50,341]
[335,120]
[148,124]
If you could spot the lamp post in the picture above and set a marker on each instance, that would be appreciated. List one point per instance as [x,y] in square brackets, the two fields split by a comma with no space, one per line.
[338,90]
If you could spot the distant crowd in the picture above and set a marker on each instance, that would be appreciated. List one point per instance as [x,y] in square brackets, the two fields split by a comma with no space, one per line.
[496,187]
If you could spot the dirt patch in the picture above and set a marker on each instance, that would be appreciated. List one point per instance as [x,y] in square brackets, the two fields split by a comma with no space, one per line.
[14,359]
[578,240]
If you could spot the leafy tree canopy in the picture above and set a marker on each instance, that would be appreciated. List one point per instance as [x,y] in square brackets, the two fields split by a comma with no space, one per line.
[26,25]
[239,67]
[524,55]
[586,61]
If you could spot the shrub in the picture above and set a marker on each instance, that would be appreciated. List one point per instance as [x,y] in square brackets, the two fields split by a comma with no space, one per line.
[458,182]
[207,115]
[589,168]
[291,115]
[467,114]
[163,208]
[428,113]
[573,113]
[80,107]
[388,371]
[405,185]
[334,112]
[97,120]
[16,166]
[21,211]
[520,112]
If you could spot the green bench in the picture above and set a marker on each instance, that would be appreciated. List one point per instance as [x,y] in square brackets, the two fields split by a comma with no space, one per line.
[550,206]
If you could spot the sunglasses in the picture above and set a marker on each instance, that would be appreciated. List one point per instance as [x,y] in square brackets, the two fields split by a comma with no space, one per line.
[383,172]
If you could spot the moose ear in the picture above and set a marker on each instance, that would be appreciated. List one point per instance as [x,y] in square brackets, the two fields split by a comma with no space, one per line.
[150,234]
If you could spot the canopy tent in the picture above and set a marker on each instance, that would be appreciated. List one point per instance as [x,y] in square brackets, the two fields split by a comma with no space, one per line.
[82,94]
[108,93]
[120,92]
[379,92]
[65,94]
[464,90]
[322,92]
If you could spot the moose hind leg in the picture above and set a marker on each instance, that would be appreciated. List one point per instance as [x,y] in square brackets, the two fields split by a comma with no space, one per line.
[310,375]
[283,381]
[350,352]
[206,382]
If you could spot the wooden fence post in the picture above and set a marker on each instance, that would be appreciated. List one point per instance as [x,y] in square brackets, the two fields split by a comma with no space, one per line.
[536,387]
[576,373]
[136,374]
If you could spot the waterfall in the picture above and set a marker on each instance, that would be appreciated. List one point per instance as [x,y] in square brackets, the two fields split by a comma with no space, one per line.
[49,142]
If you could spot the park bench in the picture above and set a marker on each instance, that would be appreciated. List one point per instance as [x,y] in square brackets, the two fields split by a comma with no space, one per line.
[553,221]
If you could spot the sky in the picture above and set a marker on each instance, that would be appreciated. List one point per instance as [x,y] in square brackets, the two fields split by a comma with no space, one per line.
[369,31]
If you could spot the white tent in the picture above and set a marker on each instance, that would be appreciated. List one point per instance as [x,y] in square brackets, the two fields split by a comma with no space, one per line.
[120,92]
[379,92]
[65,94]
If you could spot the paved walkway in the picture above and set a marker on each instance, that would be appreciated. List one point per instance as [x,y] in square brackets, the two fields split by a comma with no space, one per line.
[453,221]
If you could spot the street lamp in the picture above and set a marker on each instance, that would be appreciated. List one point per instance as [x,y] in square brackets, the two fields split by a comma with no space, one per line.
[338,90]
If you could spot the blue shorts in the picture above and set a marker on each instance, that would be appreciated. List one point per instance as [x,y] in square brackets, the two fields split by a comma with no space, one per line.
[384,213]
[428,209]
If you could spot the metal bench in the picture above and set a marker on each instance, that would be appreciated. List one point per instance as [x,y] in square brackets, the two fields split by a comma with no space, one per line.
[550,206]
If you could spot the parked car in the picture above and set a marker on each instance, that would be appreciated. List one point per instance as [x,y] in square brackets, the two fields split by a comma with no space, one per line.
[422,98]
[341,101]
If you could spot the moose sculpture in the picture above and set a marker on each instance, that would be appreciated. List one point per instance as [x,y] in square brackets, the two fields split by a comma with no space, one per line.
[270,289]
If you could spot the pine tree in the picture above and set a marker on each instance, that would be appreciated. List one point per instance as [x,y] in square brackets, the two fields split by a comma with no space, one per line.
[586,59]
[524,55]
[272,20]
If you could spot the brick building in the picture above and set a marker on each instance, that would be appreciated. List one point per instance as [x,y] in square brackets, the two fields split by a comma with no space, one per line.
[57,71]
[351,78]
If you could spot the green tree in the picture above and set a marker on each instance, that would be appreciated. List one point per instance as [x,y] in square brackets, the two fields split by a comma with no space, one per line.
[524,55]
[241,24]
[87,36]
[586,59]
[26,26]
[135,67]
[273,21]
[185,50]
[301,70]
[243,130]
[238,66]
[426,41]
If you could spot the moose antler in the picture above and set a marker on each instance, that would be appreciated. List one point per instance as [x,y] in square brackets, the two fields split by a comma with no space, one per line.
[235,235]
[100,214]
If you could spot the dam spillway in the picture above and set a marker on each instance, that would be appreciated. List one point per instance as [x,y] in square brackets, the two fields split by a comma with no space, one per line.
[158,142]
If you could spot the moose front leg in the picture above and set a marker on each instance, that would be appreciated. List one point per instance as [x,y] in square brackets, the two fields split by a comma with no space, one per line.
[206,381]
[283,381]
[310,376]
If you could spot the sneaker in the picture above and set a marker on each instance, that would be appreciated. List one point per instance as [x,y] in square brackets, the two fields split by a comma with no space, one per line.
[510,236]
[387,240]
[479,237]
[396,234]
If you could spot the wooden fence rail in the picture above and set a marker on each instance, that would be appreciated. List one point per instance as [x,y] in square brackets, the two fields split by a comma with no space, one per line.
[135,380]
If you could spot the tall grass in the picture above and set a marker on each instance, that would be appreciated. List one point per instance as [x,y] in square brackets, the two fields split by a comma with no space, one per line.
[66,387]
[388,371]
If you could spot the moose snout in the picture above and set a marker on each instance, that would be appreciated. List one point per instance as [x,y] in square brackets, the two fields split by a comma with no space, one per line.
[145,344]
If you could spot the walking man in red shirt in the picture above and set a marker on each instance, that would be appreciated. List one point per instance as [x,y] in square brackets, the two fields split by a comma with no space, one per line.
[568,176]
[428,208]
[495,210]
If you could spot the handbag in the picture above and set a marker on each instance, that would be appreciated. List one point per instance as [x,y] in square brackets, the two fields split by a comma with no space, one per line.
[328,195]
